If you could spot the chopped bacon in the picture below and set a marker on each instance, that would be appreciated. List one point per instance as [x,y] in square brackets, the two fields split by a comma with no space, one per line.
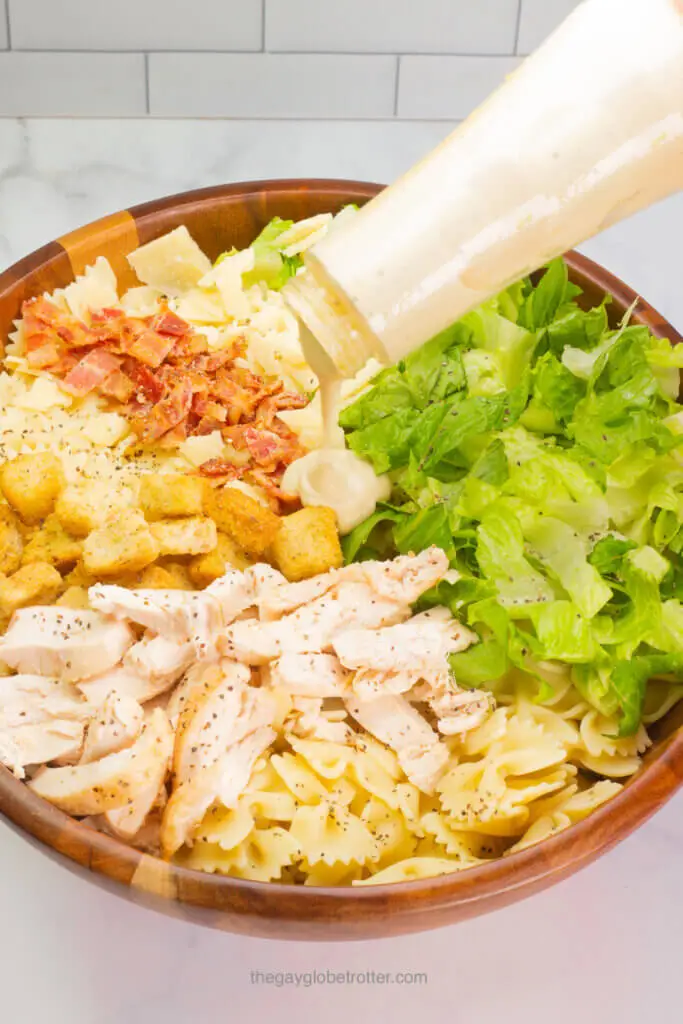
[239,402]
[188,348]
[43,356]
[166,414]
[38,338]
[151,348]
[101,316]
[169,323]
[41,309]
[174,437]
[118,386]
[74,335]
[214,361]
[90,372]
[64,364]
[221,468]
[271,406]
[148,388]
[262,445]
[163,375]
[273,491]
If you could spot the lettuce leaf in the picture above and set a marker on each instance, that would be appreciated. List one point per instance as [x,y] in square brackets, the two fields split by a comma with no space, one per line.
[555,388]
[501,558]
[436,370]
[543,303]
[608,554]
[271,266]
[564,633]
[565,554]
[386,442]
[629,680]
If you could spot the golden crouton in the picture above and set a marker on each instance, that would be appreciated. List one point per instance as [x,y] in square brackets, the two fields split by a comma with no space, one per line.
[179,575]
[308,544]
[125,544]
[74,597]
[88,504]
[52,544]
[129,580]
[169,495]
[11,542]
[31,484]
[78,577]
[192,536]
[226,555]
[154,577]
[250,524]
[38,583]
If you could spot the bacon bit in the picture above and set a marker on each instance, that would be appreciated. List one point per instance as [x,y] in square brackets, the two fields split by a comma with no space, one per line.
[262,445]
[169,323]
[209,415]
[147,387]
[213,362]
[43,356]
[92,370]
[240,402]
[160,371]
[174,437]
[271,406]
[74,335]
[188,348]
[151,348]
[101,316]
[208,424]
[38,339]
[118,386]
[40,310]
[64,364]
[166,414]
[221,468]
[274,492]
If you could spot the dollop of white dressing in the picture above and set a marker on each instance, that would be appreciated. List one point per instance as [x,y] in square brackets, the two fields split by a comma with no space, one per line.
[338,478]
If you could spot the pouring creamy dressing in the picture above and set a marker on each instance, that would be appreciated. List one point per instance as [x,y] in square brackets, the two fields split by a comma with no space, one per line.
[588,131]
[332,475]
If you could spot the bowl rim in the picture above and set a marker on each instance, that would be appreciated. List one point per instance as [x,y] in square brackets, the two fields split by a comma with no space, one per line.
[536,866]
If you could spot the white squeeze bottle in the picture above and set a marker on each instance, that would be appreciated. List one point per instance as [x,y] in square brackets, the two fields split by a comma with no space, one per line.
[586,132]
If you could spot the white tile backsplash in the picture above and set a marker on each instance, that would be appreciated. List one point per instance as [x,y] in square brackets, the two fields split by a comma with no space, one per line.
[79,84]
[136,24]
[271,85]
[448,87]
[263,58]
[539,18]
[391,26]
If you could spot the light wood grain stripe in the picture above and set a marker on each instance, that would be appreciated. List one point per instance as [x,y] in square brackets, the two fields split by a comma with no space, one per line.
[113,237]
[155,876]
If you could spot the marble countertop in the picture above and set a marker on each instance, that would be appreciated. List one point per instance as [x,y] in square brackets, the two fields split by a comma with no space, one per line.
[602,946]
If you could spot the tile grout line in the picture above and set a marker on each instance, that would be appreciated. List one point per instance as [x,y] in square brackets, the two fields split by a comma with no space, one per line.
[518,25]
[263,26]
[146,84]
[396,83]
[8,25]
[273,53]
[292,119]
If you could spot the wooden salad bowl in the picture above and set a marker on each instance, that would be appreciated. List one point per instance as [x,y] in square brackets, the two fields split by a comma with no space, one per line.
[219,218]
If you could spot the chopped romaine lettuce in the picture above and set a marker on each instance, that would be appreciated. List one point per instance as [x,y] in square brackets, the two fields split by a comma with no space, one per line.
[271,266]
[538,447]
